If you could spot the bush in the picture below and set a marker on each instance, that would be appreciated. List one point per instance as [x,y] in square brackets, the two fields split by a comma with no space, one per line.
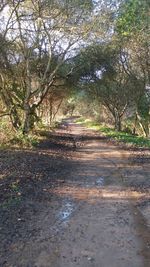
[125,137]
[24,140]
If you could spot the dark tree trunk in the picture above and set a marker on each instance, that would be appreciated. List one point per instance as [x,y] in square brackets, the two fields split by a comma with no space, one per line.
[16,122]
[12,108]
[51,111]
[58,107]
[118,126]
[27,114]
[30,117]
[135,124]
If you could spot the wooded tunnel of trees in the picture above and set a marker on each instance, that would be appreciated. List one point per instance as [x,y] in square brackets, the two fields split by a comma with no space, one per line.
[90,58]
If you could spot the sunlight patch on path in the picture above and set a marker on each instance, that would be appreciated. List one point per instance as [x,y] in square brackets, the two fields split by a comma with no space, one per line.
[111,192]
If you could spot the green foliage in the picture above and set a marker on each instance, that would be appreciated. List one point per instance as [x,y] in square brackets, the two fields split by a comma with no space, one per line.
[94,58]
[126,138]
[40,69]
[80,120]
[22,140]
[143,107]
[5,132]
[9,137]
[133,17]
[118,136]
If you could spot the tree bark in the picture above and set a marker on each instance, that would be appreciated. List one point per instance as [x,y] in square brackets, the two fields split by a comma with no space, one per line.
[135,124]
[118,126]
[26,124]
[144,126]
[30,117]
[15,118]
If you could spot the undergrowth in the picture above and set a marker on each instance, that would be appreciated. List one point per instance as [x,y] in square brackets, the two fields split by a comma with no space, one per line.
[10,138]
[21,140]
[124,137]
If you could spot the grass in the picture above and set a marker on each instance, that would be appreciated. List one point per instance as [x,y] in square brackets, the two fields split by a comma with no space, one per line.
[10,138]
[18,140]
[24,141]
[123,137]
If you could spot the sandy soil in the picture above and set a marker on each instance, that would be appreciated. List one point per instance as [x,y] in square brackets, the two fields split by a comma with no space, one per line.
[76,200]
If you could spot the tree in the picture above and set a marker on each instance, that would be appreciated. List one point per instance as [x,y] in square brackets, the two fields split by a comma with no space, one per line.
[7,83]
[132,30]
[102,75]
[42,36]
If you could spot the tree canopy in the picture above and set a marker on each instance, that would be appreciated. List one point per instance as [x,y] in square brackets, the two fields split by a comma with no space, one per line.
[49,49]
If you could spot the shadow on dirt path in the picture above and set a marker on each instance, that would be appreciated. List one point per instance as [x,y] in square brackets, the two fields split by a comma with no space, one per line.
[76,200]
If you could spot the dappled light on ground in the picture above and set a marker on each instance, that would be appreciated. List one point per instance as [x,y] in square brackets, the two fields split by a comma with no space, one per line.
[108,193]
[73,201]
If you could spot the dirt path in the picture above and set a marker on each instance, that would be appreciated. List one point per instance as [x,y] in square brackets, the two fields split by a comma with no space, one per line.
[86,209]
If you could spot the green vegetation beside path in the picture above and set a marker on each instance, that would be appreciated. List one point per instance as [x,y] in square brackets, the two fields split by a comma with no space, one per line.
[124,137]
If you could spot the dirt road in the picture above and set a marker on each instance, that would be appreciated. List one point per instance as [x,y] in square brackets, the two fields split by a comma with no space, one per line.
[85,206]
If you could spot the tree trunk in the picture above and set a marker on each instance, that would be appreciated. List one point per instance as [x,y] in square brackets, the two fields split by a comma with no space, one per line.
[12,109]
[15,119]
[58,107]
[30,117]
[135,123]
[50,111]
[118,126]
[27,115]
[144,126]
